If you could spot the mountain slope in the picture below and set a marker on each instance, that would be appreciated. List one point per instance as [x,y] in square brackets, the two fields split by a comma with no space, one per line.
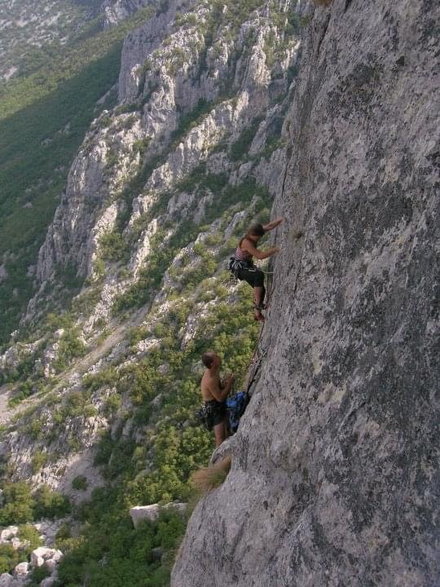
[43,118]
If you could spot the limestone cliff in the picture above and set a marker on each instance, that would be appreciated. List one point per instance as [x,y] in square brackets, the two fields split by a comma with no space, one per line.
[335,474]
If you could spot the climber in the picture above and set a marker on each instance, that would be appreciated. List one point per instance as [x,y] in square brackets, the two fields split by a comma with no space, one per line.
[214,393]
[242,266]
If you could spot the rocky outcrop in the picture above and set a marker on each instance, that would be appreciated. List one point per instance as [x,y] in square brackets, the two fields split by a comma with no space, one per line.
[45,556]
[41,556]
[151,512]
[335,473]
[116,10]
[187,86]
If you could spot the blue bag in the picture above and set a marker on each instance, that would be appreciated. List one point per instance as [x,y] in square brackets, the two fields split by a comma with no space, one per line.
[236,405]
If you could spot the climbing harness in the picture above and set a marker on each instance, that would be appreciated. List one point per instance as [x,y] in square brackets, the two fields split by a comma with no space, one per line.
[236,265]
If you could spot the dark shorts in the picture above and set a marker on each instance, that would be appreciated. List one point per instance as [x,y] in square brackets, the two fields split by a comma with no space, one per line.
[215,413]
[254,277]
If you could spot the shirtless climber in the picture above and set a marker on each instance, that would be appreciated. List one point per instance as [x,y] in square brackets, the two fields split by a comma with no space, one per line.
[214,393]
[242,266]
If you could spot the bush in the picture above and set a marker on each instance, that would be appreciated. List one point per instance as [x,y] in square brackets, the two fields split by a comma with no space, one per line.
[112,404]
[106,377]
[39,459]
[70,346]
[18,504]
[50,504]
[38,574]
[113,247]
[31,535]
[9,558]
[80,483]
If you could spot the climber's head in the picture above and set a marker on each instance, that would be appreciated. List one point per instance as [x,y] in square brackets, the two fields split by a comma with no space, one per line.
[211,359]
[255,231]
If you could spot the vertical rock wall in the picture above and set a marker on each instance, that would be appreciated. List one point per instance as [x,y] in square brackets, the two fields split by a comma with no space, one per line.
[335,477]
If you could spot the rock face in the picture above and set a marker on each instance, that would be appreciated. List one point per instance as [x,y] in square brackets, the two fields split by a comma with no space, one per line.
[335,477]
[116,10]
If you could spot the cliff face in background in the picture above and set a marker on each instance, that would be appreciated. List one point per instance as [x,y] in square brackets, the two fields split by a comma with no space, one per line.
[335,477]
[162,186]
[30,29]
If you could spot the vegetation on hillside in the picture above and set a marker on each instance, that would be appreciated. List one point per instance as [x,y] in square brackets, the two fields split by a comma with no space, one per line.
[43,119]
[162,390]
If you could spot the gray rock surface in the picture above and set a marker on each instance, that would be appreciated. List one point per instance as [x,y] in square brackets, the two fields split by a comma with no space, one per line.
[335,470]
[6,580]
[22,570]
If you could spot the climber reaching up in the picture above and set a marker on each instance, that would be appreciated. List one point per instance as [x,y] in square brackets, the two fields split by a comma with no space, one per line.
[242,266]
[214,393]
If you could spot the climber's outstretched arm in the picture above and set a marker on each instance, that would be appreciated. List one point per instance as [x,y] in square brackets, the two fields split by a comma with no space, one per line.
[273,224]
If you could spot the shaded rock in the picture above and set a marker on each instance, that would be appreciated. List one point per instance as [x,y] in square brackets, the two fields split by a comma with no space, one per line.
[141,513]
[157,553]
[49,581]
[225,449]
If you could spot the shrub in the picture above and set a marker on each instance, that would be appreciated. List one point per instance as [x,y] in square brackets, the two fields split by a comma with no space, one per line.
[30,534]
[80,483]
[106,377]
[112,404]
[9,558]
[18,505]
[70,346]
[39,459]
[113,247]
[50,504]
[38,574]
[141,145]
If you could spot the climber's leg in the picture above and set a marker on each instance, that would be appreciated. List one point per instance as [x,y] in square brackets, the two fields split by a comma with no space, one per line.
[220,432]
